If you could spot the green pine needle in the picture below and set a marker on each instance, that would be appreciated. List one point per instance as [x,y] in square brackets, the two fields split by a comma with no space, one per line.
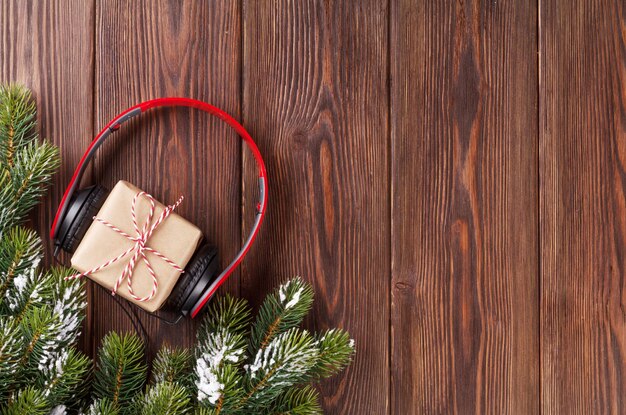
[38,328]
[33,169]
[219,384]
[280,312]
[20,254]
[68,303]
[26,165]
[121,370]
[65,375]
[10,347]
[285,362]
[17,121]
[173,365]
[165,398]
[103,406]
[297,401]
[40,313]
[31,290]
[220,351]
[28,401]
[226,313]
[202,410]
[336,349]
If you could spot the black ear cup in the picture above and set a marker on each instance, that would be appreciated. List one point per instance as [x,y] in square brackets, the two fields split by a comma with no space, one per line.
[199,273]
[80,212]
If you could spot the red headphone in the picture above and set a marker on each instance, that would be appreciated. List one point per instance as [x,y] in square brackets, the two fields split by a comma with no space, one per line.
[75,213]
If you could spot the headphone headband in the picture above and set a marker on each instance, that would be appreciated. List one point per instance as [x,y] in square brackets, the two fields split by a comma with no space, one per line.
[115,124]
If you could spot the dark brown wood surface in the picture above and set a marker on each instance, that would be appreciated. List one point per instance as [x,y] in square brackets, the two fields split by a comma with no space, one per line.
[316,96]
[583,208]
[464,208]
[448,175]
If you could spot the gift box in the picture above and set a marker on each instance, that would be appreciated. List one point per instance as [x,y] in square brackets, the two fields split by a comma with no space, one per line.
[170,246]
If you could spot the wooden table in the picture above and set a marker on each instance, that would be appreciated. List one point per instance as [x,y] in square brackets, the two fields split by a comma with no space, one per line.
[449,175]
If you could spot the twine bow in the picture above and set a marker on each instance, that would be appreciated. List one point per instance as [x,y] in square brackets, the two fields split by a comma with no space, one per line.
[138,249]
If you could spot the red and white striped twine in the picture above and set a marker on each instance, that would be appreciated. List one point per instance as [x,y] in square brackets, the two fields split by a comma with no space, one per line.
[138,249]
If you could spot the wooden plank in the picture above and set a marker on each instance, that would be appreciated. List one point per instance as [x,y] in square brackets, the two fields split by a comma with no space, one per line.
[150,49]
[33,52]
[464,208]
[316,99]
[34,39]
[583,207]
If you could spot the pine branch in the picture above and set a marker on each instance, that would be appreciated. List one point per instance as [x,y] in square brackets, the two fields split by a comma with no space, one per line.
[297,401]
[28,401]
[202,410]
[31,290]
[20,255]
[10,347]
[40,313]
[64,378]
[49,315]
[26,165]
[226,314]
[164,398]
[219,384]
[24,184]
[336,349]
[17,121]
[37,328]
[121,371]
[103,406]
[280,312]
[68,304]
[283,363]
[173,365]
[221,347]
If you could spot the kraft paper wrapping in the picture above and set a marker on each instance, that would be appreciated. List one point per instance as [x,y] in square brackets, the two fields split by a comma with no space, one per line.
[176,238]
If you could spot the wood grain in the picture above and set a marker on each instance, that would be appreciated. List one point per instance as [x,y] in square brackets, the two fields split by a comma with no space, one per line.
[456,198]
[150,49]
[464,208]
[316,99]
[33,52]
[583,207]
[34,39]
